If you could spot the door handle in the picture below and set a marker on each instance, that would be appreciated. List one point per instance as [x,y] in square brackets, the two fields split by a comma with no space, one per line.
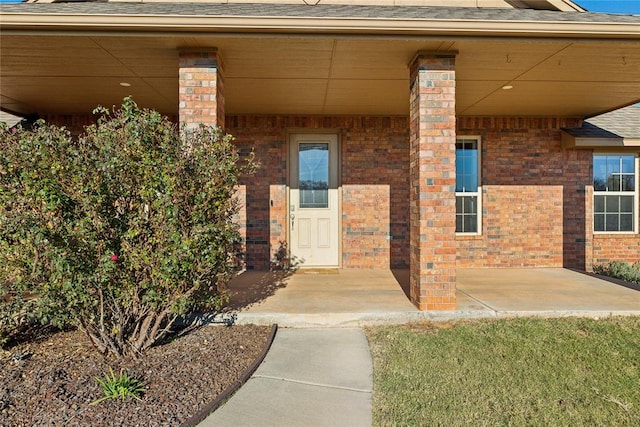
[293,216]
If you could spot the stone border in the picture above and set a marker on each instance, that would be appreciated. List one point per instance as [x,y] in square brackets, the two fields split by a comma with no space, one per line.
[203,413]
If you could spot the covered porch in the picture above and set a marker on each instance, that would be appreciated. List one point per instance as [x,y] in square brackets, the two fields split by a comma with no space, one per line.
[395,87]
[350,297]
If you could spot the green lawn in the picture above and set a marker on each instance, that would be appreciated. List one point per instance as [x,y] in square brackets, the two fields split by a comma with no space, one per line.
[527,371]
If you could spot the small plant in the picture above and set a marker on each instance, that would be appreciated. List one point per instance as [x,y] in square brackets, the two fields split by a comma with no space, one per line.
[121,386]
[620,270]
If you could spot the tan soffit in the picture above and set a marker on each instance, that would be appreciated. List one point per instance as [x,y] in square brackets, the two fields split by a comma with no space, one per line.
[69,64]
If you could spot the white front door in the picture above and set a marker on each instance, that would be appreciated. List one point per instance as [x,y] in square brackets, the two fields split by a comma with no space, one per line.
[314,226]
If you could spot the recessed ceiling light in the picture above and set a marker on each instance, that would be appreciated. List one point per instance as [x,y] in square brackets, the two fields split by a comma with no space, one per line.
[125,84]
[507,87]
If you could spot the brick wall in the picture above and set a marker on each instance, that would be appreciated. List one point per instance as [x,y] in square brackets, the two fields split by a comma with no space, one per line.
[374,164]
[616,247]
[375,193]
[519,155]
[263,213]
[535,200]
[75,123]
[578,209]
[375,189]
[522,228]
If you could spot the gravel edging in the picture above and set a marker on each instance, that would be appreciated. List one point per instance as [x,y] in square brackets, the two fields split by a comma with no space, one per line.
[51,381]
[229,391]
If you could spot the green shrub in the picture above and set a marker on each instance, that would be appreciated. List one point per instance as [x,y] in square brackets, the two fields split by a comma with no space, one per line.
[31,171]
[120,231]
[620,270]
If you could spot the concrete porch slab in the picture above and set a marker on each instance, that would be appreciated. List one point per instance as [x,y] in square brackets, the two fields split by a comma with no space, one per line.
[345,291]
[523,291]
[347,298]
[344,298]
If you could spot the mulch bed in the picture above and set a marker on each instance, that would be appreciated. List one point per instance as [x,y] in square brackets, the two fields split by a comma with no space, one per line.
[50,380]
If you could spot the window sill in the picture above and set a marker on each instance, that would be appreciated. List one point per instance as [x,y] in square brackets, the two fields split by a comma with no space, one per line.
[468,236]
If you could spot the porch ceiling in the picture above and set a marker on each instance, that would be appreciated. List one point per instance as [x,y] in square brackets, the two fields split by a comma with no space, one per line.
[339,74]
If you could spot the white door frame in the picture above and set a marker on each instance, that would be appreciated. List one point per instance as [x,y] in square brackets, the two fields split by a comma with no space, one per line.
[291,135]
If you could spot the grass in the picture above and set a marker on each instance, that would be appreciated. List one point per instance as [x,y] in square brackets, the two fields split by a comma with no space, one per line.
[526,371]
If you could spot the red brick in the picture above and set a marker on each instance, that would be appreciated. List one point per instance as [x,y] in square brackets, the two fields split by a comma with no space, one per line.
[432,166]
[201,94]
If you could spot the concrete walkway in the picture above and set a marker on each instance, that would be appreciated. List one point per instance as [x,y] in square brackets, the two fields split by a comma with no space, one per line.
[323,377]
[310,377]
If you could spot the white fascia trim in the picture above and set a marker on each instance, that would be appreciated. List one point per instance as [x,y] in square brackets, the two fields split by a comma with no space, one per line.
[171,24]
[631,142]
[585,142]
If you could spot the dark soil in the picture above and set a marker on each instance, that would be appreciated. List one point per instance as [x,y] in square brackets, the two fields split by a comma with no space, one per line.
[50,380]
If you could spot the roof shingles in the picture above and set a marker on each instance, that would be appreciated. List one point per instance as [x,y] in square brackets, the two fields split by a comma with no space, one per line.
[317,11]
[624,122]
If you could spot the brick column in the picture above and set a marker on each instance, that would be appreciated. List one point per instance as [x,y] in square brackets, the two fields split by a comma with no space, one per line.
[201,95]
[432,181]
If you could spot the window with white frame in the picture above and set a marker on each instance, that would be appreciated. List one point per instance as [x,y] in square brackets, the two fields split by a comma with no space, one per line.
[615,193]
[468,192]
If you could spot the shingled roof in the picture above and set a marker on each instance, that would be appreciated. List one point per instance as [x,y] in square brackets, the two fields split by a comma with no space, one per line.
[617,128]
[317,11]
[9,119]
[624,122]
